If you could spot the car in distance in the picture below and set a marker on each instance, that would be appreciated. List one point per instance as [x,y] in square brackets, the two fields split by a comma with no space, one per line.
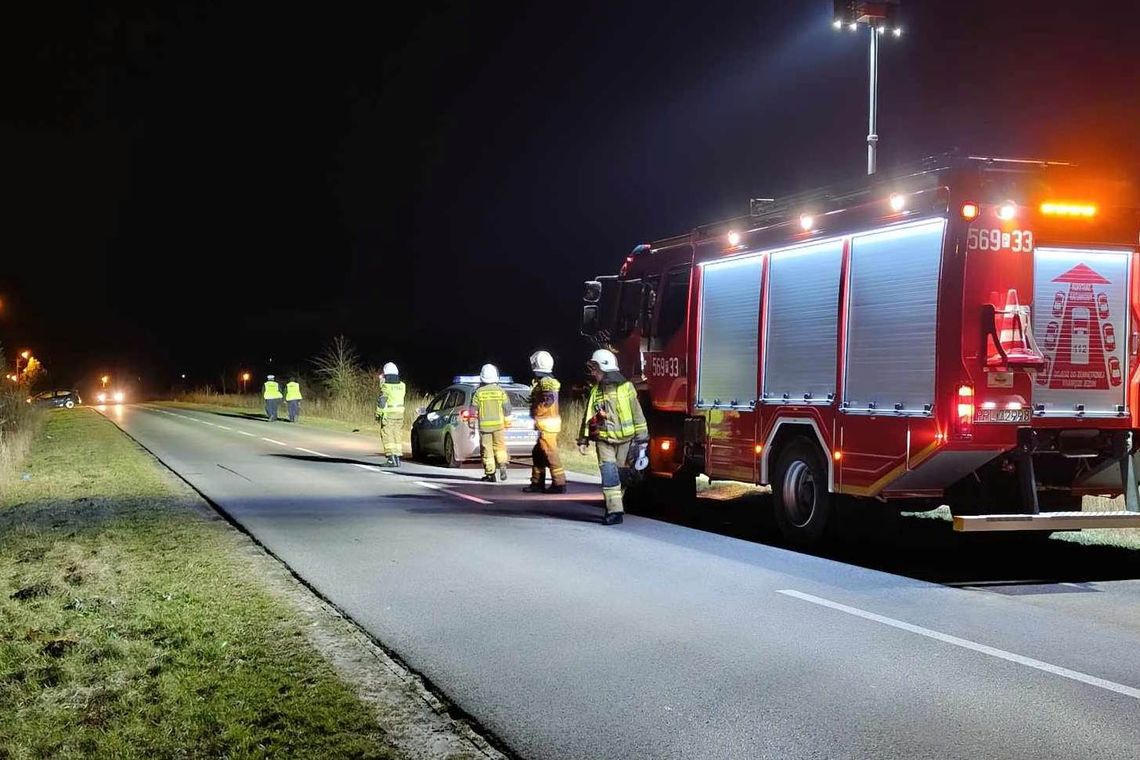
[57,399]
[449,426]
[110,397]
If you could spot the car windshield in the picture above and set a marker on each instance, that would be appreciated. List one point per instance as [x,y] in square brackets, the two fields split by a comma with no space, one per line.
[519,399]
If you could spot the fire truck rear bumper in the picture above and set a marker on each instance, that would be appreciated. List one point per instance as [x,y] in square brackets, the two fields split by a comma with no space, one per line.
[1046,521]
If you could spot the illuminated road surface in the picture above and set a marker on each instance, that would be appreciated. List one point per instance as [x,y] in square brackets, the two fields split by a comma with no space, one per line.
[566,639]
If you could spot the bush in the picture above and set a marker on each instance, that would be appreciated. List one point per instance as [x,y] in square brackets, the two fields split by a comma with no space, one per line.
[19,421]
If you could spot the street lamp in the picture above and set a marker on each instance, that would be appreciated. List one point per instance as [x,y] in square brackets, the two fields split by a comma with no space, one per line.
[879,17]
[104,380]
[244,380]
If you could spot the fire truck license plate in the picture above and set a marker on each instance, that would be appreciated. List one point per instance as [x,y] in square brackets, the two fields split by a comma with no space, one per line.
[1003,415]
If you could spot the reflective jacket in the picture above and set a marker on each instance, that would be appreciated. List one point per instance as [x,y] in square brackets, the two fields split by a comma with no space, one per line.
[292,391]
[390,405]
[494,407]
[613,414]
[272,390]
[544,404]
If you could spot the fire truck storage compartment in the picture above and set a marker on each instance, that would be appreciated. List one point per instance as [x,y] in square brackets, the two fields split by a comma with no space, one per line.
[730,316]
[802,323]
[1080,306]
[892,317]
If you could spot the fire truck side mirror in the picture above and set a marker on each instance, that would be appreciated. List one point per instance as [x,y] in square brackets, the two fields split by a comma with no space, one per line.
[593,292]
[589,320]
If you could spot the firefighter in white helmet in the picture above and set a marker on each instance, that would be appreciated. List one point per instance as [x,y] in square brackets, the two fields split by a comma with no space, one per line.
[548,421]
[390,413]
[494,409]
[615,422]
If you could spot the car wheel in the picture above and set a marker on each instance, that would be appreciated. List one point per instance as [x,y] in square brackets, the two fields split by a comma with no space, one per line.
[69,404]
[449,456]
[799,490]
[417,452]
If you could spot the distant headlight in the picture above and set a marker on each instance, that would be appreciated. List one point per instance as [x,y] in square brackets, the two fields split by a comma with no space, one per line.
[101,398]
[118,397]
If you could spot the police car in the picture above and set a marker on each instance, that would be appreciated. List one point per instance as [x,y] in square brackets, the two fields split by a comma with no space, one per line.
[449,426]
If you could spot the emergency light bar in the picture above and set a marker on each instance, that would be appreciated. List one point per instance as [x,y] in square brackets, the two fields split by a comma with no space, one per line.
[474,379]
[1054,208]
[882,14]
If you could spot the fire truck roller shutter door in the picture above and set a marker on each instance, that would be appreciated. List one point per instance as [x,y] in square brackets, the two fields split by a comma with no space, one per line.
[802,318]
[730,314]
[892,316]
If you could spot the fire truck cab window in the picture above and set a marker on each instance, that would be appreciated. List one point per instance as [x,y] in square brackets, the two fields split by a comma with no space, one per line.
[730,316]
[672,305]
[629,307]
[892,317]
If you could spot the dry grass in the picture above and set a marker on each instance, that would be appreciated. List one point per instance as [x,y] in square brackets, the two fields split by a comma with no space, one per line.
[131,624]
[19,422]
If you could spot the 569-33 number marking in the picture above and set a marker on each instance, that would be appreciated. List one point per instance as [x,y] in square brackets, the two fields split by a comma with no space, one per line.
[665,366]
[1016,241]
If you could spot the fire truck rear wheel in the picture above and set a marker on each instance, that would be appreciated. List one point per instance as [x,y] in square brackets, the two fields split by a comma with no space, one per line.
[799,490]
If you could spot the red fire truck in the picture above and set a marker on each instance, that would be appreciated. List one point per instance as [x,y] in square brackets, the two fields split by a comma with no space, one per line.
[877,342]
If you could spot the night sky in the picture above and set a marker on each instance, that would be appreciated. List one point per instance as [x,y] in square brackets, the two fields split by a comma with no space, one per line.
[198,188]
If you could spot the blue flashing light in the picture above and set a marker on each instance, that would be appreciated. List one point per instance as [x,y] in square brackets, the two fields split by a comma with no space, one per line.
[474,379]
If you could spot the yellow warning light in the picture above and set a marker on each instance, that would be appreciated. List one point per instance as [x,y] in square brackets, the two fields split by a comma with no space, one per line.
[1080,210]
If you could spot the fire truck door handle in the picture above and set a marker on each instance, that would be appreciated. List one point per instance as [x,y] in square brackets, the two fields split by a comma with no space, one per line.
[1135,343]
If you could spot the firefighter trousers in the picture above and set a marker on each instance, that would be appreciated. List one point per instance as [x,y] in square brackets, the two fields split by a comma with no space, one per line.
[494,450]
[392,435]
[545,455]
[613,461]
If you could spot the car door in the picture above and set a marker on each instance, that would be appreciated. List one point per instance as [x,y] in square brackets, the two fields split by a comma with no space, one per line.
[431,428]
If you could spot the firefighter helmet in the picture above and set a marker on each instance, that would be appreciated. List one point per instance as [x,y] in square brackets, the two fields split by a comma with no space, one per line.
[605,360]
[390,369]
[269,377]
[542,361]
[489,374]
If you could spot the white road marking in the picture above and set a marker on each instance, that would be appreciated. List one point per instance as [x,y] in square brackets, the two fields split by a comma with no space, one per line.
[314,453]
[223,427]
[270,440]
[369,467]
[1001,654]
[434,487]
[242,432]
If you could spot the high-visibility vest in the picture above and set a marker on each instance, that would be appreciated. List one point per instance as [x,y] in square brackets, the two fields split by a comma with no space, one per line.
[616,413]
[292,391]
[390,405]
[493,405]
[544,404]
[272,390]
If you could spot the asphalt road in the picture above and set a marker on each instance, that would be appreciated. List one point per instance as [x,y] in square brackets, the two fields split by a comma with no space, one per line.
[654,639]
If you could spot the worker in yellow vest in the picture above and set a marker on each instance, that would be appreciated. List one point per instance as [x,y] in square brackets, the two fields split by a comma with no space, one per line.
[494,409]
[548,421]
[271,393]
[615,422]
[293,398]
[390,413]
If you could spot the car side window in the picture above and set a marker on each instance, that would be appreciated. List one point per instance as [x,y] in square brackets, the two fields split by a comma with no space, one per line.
[437,403]
[454,399]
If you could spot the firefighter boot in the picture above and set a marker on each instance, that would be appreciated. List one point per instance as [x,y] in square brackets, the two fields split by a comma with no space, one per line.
[502,472]
[556,489]
[614,507]
[397,458]
[535,487]
[389,462]
[488,478]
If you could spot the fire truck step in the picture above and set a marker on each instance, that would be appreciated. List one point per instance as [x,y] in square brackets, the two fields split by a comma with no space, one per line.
[1047,521]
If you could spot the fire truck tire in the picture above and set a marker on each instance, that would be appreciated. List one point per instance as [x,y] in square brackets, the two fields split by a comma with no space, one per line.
[799,491]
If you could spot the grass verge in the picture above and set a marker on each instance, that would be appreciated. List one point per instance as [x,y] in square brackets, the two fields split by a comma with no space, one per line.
[131,625]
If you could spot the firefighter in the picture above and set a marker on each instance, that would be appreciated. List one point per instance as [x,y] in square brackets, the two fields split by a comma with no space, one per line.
[548,420]
[293,398]
[390,413]
[272,395]
[494,408]
[615,423]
